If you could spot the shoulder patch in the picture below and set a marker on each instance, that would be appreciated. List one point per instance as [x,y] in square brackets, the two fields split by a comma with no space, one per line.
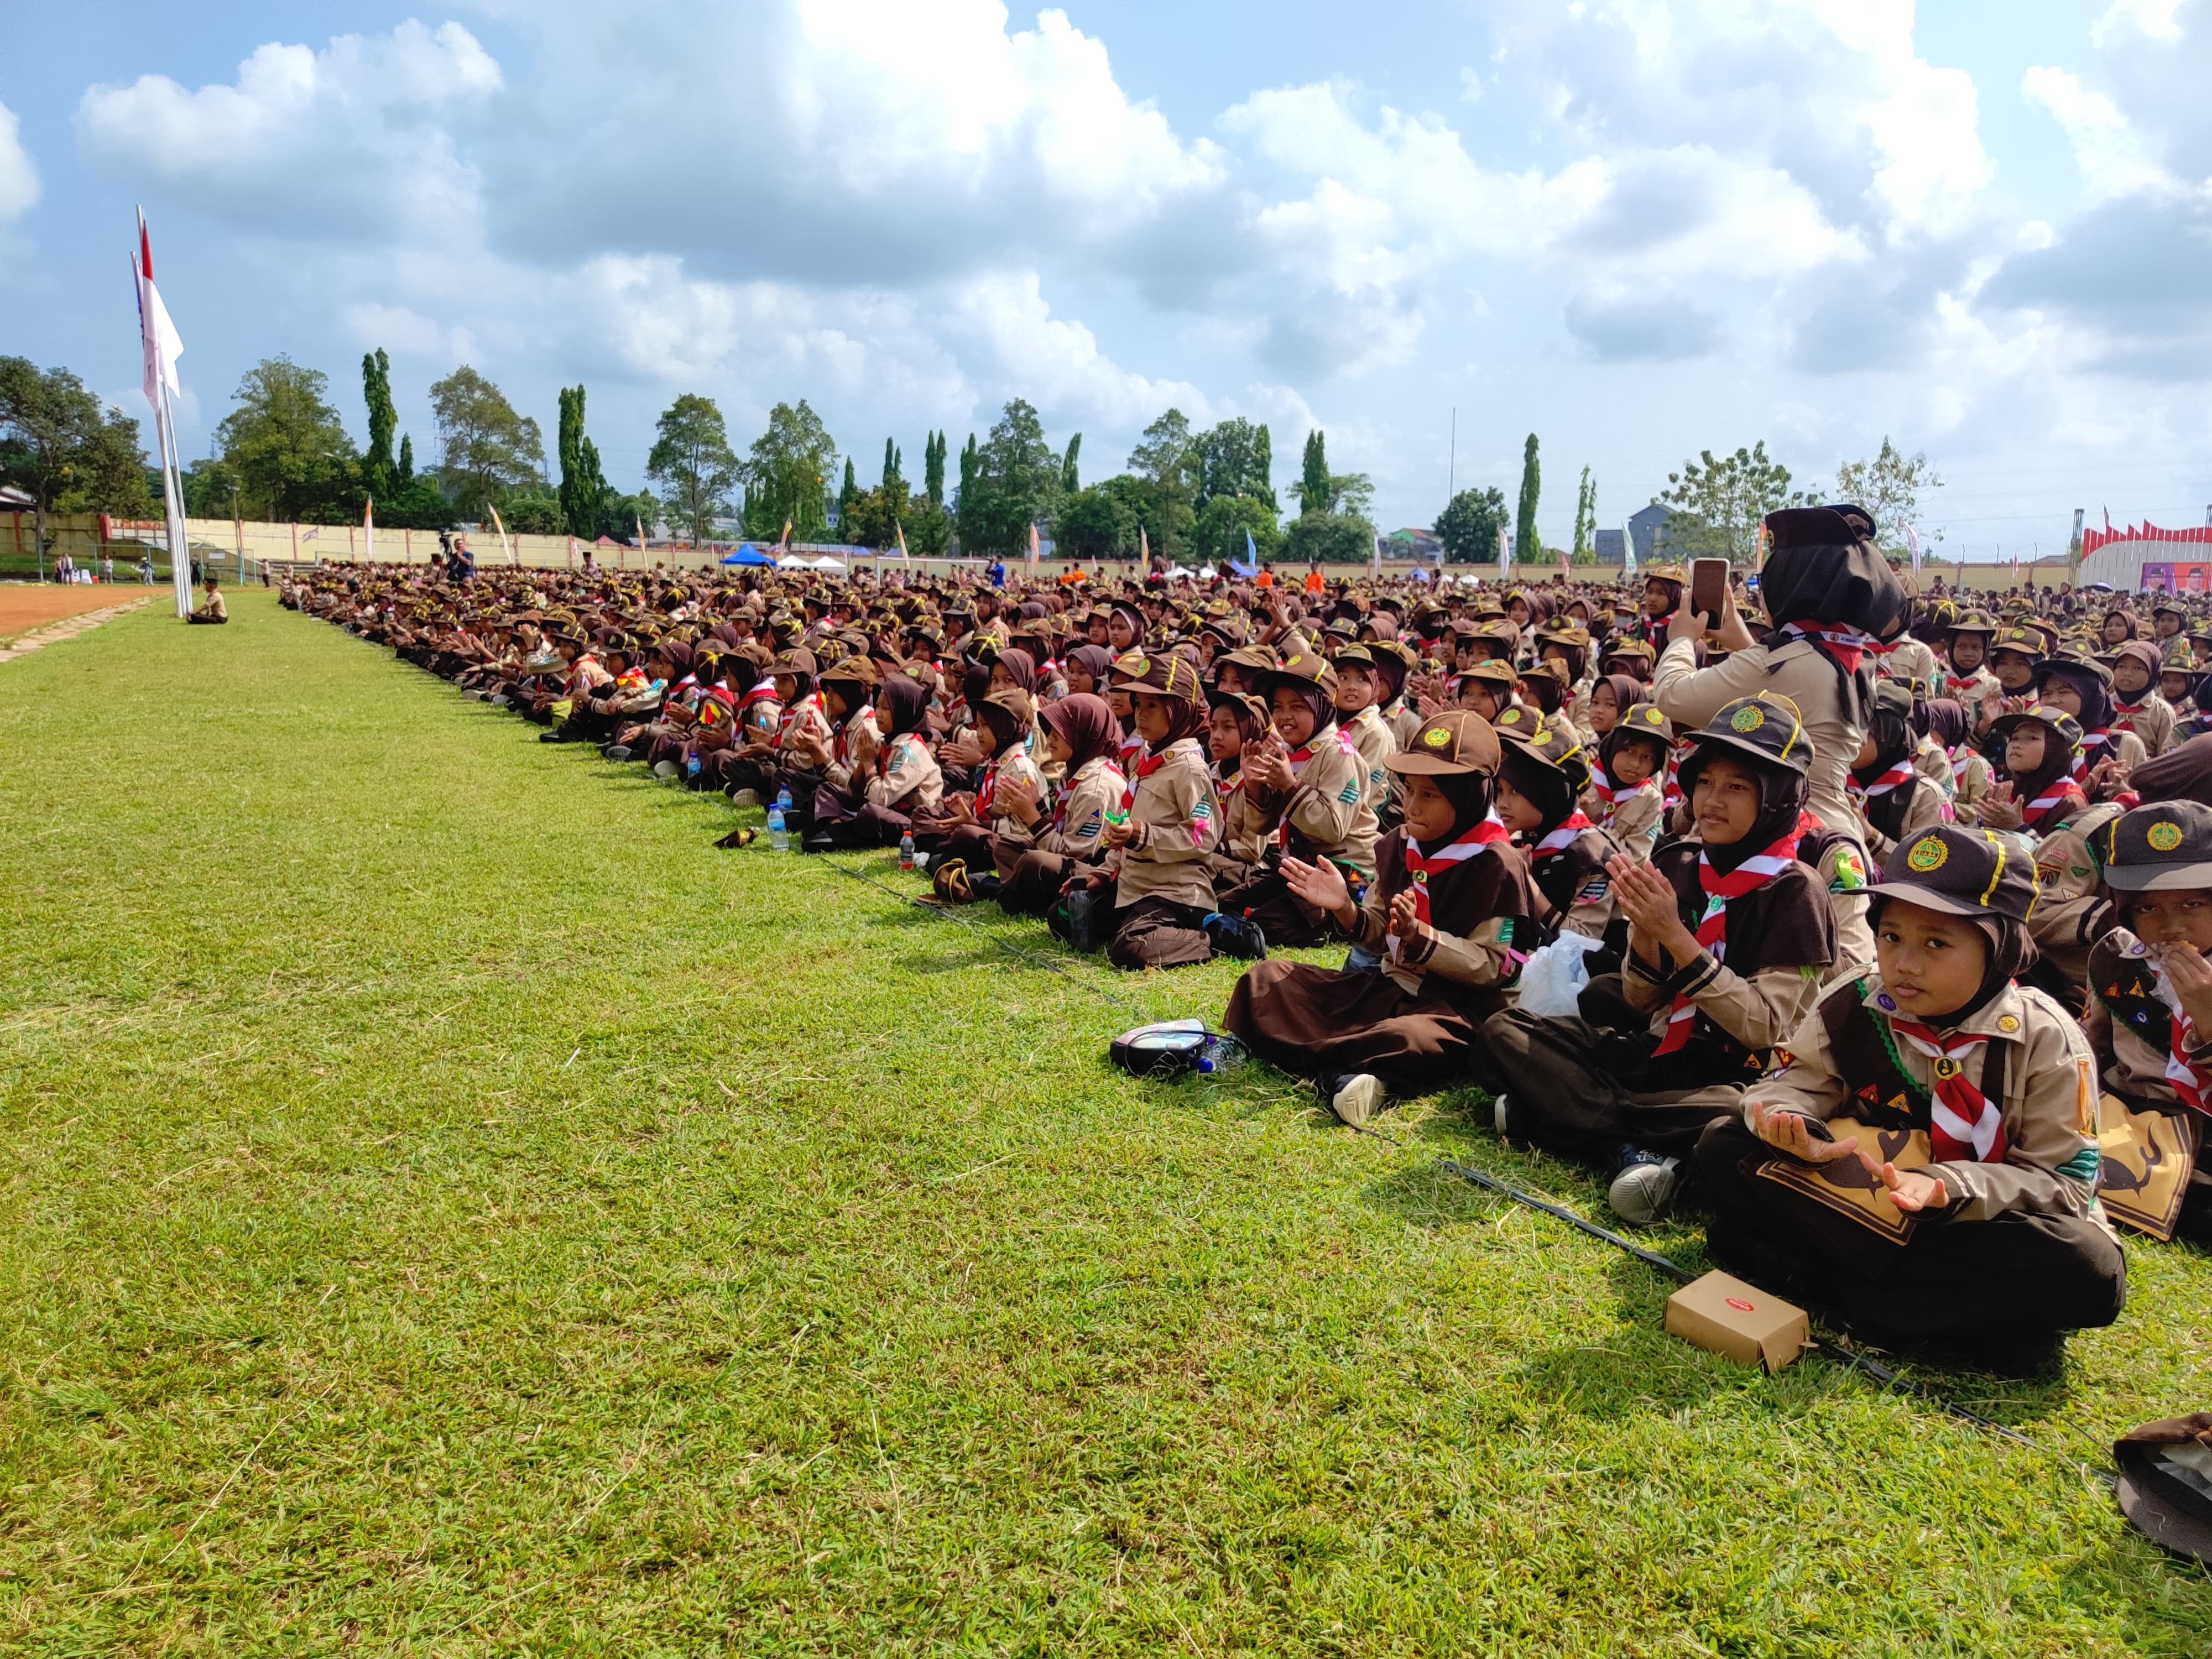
[1349,793]
[1851,872]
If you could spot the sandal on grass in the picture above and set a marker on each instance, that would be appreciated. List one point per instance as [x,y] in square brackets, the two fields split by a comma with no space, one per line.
[739,837]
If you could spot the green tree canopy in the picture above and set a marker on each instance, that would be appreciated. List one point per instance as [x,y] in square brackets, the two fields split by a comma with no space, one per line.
[1585,548]
[1718,503]
[490,451]
[1235,457]
[288,448]
[933,469]
[1469,526]
[62,450]
[1314,489]
[584,489]
[1163,489]
[377,465]
[787,473]
[1890,487]
[693,461]
[1014,483]
[1222,525]
[1329,537]
[1528,545]
[1094,525]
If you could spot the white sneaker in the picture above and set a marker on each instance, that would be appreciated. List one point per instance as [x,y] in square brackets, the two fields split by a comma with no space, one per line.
[1358,1098]
[664,769]
[745,798]
[1498,1116]
[1644,1192]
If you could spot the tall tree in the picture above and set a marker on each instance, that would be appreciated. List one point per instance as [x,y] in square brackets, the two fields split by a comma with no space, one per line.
[1096,524]
[1069,482]
[1585,550]
[62,449]
[1717,503]
[933,468]
[692,459]
[377,470]
[1165,461]
[1015,484]
[847,493]
[1528,546]
[584,488]
[1470,524]
[1235,457]
[894,467]
[1890,487]
[406,472]
[1313,488]
[288,447]
[786,471]
[489,450]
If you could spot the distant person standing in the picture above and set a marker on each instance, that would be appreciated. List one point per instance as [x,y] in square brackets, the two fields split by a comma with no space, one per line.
[146,569]
[213,610]
[998,573]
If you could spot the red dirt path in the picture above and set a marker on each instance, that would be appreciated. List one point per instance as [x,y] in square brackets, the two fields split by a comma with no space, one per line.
[26,605]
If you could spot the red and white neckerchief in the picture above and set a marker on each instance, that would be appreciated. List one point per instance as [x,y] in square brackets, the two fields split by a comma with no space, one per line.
[1753,873]
[2084,760]
[1060,804]
[1960,684]
[1133,747]
[1227,786]
[1670,793]
[2125,713]
[1896,777]
[1846,644]
[1145,766]
[1965,1124]
[889,747]
[764,692]
[2189,1080]
[1490,832]
[1616,798]
[2061,790]
[1561,837]
[811,700]
[1299,757]
[577,683]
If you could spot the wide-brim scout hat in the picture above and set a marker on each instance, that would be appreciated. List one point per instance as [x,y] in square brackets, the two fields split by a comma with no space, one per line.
[1547,742]
[1164,676]
[1765,728]
[798,661]
[1961,871]
[1304,667]
[1452,743]
[852,671]
[2022,642]
[2065,726]
[1972,622]
[2169,607]
[2156,848]
[1644,720]
[1017,707]
[1359,655]
[1632,650]
[1496,671]
[2165,1475]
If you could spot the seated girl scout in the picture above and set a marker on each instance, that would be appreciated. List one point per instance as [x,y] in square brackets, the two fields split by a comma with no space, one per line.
[1627,791]
[1166,823]
[2150,1020]
[2041,750]
[1924,1160]
[1307,787]
[1043,837]
[1540,776]
[1449,916]
[1728,937]
[1895,799]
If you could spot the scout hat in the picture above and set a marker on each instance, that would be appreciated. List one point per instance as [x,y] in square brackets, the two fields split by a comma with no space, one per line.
[1961,873]
[852,671]
[1972,622]
[2166,1482]
[2154,848]
[799,660]
[1550,744]
[1765,728]
[1305,667]
[1161,674]
[2067,729]
[1456,742]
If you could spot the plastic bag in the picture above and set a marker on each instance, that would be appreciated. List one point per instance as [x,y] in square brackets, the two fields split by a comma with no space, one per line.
[1552,979]
[1171,1048]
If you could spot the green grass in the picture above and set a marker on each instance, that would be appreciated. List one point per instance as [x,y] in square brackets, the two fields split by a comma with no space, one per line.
[451,1209]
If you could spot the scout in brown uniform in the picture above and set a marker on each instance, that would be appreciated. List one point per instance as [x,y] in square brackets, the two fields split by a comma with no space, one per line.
[1448,917]
[1966,677]
[1055,841]
[1628,784]
[1168,822]
[1309,788]
[1542,775]
[1925,1161]
[962,829]
[1895,799]
[2136,705]
[1729,936]
[2150,1021]
[1358,699]
[1237,721]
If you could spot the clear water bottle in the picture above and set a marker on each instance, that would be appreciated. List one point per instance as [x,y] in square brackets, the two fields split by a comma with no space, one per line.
[778,837]
[783,800]
[906,851]
[1218,1054]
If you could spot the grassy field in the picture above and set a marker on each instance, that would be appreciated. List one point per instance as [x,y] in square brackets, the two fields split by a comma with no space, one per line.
[451,1209]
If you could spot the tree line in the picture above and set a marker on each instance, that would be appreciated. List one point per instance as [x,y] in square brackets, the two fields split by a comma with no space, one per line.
[1187,494]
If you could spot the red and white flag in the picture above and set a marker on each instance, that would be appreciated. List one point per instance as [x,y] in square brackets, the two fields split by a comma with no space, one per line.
[157,335]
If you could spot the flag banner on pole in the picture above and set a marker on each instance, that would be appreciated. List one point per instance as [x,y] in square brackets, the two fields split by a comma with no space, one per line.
[1912,541]
[368,526]
[1034,551]
[901,528]
[505,545]
[160,348]
[1144,547]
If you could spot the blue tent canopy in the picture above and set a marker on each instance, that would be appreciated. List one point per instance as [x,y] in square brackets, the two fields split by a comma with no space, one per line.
[747,554]
[1245,569]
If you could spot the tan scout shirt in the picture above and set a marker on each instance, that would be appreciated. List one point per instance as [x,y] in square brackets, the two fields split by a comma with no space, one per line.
[1690,696]
[2050,1103]
[1328,807]
[1371,736]
[909,776]
[1178,822]
[1085,799]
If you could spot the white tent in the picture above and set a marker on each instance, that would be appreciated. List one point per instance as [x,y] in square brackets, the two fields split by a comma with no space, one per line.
[825,562]
[793,562]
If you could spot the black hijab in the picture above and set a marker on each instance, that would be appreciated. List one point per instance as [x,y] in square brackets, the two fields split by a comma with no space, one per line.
[1825,570]
[909,704]
[1781,801]
[1471,795]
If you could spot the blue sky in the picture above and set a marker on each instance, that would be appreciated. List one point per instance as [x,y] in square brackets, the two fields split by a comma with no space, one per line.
[1638,227]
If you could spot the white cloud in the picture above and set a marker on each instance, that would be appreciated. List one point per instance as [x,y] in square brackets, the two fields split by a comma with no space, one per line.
[19,179]
[2108,151]
[2154,20]
[355,139]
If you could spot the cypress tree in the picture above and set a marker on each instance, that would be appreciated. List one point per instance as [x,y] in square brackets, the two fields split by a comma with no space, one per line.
[847,495]
[1316,493]
[1526,546]
[376,470]
[407,458]
[1067,479]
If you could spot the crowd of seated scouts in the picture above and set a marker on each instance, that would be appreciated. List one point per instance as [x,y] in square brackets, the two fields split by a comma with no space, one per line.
[1892,911]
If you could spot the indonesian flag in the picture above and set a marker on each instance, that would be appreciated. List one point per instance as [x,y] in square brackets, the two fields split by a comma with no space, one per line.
[901,528]
[1033,543]
[369,525]
[157,335]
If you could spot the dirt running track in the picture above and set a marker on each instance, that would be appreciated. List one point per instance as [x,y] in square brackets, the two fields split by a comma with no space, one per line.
[24,605]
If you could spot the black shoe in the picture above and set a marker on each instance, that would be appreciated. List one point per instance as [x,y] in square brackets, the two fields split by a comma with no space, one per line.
[550,736]
[818,843]
[1236,936]
[1645,1187]
[615,751]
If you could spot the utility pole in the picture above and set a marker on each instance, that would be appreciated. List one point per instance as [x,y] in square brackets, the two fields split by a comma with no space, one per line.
[1451,474]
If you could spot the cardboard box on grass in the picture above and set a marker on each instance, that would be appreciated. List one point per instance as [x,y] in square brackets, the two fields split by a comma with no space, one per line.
[1741,1321]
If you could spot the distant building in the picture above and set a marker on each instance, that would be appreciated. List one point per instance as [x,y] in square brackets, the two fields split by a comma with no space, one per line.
[1611,547]
[1414,544]
[1646,526]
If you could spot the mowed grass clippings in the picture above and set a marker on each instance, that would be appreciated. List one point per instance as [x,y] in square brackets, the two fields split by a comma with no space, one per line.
[451,1208]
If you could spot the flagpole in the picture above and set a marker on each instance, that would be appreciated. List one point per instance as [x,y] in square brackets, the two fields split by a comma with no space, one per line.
[173,506]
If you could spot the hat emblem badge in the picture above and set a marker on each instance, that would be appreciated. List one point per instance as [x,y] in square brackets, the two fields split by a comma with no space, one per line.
[1747,719]
[1928,855]
[1437,737]
[2164,835]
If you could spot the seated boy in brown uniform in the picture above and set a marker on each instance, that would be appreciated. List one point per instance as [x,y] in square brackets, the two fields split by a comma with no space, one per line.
[1924,1160]
[2150,1020]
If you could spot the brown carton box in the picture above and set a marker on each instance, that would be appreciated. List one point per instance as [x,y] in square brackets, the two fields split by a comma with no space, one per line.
[1739,1319]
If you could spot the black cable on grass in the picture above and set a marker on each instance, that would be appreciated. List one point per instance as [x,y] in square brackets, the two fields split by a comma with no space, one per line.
[1828,1348]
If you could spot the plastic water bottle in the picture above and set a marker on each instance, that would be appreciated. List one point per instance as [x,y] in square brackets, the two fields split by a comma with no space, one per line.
[778,837]
[783,800]
[1220,1053]
[906,851]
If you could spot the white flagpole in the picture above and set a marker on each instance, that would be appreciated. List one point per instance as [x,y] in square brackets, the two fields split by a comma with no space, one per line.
[173,506]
